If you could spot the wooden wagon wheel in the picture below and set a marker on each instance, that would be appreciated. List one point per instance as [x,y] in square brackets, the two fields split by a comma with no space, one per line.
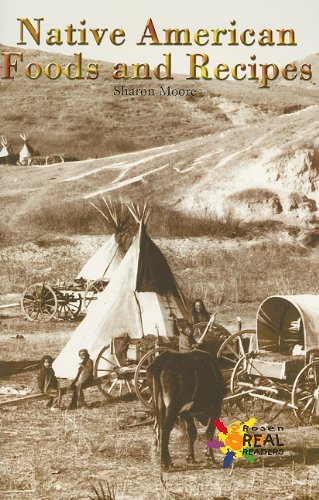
[241,382]
[92,291]
[232,350]
[51,159]
[305,394]
[141,387]
[35,160]
[69,305]
[114,378]
[39,302]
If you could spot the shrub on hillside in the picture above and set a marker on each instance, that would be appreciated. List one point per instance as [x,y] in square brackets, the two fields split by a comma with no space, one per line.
[169,223]
[254,200]
[79,217]
[3,231]
[6,234]
[311,239]
[76,217]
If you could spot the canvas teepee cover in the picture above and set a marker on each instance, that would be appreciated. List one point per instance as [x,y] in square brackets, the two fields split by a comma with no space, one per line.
[104,262]
[109,256]
[142,298]
[27,151]
[6,152]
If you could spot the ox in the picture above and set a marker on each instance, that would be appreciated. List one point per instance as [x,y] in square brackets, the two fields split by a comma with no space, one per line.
[184,385]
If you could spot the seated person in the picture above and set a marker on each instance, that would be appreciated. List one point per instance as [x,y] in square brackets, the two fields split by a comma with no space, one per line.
[199,312]
[186,338]
[120,347]
[82,380]
[200,318]
[47,380]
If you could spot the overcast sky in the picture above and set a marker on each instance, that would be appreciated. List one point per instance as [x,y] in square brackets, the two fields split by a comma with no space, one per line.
[302,16]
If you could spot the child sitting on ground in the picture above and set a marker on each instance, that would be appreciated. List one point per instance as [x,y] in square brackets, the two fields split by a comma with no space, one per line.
[47,380]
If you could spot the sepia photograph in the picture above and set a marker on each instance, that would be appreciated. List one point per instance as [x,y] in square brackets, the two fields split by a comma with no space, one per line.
[159,236]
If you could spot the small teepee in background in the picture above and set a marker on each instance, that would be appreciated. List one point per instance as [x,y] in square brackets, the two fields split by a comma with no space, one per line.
[6,153]
[27,151]
[108,257]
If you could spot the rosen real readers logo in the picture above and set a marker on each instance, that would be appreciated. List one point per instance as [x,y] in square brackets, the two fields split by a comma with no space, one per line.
[246,440]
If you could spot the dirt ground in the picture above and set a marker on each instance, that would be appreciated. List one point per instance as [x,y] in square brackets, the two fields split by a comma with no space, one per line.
[65,454]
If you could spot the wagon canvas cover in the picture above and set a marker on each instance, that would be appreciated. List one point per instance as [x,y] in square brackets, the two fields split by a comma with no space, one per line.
[276,313]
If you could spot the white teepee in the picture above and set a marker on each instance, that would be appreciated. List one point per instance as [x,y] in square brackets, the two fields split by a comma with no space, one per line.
[109,256]
[142,298]
[104,262]
[27,151]
[6,153]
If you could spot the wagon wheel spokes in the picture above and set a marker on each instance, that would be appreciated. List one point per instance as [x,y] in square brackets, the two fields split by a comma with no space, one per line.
[236,377]
[94,288]
[69,305]
[305,394]
[112,362]
[140,383]
[35,310]
[114,386]
[33,313]
[232,350]
[241,381]
[29,297]
[51,159]
[120,389]
[114,380]
[39,302]
[48,300]
[47,310]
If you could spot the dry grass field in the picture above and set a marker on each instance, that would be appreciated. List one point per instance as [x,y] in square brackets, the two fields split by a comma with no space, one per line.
[65,455]
[62,455]
[223,271]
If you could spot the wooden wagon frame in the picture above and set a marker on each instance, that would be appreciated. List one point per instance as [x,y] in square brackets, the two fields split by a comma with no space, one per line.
[120,368]
[63,301]
[278,363]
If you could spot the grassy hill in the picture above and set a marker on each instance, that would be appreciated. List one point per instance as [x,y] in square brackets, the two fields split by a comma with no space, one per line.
[208,163]
[268,172]
[84,119]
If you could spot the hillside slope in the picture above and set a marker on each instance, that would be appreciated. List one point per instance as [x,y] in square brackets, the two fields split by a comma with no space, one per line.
[250,172]
[233,150]
[84,119]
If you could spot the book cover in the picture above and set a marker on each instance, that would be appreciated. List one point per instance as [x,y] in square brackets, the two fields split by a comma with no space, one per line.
[159,189]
